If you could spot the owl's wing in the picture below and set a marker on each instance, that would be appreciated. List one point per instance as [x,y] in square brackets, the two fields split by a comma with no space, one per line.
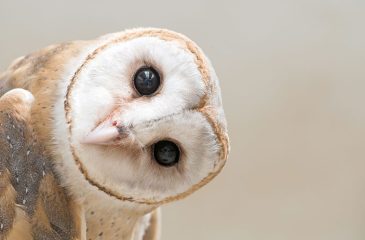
[32,203]
[19,73]
[33,70]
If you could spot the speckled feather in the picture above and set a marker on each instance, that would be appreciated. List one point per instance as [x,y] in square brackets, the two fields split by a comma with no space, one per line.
[30,192]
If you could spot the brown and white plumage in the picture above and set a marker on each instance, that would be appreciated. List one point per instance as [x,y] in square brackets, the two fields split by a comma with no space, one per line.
[33,205]
[100,132]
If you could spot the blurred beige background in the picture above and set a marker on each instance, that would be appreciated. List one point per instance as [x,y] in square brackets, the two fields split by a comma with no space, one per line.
[293,82]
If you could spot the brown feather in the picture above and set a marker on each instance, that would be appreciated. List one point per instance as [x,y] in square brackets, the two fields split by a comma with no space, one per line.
[32,203]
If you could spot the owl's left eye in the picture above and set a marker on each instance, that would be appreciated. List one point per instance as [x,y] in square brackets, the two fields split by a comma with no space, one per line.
[146,81]
[166,153]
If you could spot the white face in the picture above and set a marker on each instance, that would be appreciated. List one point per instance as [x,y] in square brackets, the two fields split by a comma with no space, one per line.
[121,128]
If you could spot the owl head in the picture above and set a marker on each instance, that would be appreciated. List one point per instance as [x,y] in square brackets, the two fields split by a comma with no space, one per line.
[142,117]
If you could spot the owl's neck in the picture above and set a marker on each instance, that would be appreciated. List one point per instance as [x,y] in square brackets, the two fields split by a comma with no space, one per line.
[113,221]
[105,216]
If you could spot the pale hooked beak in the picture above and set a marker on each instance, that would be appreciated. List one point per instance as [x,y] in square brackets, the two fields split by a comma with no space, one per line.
[106,133]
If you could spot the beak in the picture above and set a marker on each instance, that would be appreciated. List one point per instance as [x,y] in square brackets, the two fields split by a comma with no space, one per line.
[106,133]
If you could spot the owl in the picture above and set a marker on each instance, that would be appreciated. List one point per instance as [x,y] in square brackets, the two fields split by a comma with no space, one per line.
[103,132]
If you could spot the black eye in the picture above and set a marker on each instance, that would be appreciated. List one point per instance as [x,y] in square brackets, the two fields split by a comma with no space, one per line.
[146,80]
[166,153]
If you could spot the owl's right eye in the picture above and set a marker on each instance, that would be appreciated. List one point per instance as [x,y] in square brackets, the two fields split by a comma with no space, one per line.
[146,81]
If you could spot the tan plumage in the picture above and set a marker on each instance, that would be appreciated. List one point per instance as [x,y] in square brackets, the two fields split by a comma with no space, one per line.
[74,85]
[33,205]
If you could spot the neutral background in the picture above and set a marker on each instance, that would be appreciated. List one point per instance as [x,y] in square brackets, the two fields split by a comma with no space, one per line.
[293,82]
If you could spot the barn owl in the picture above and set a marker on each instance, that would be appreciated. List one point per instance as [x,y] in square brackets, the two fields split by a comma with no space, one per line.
[124,124]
